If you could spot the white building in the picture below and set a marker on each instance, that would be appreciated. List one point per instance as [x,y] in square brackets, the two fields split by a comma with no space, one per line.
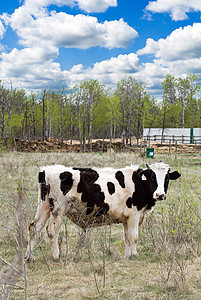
[181,135]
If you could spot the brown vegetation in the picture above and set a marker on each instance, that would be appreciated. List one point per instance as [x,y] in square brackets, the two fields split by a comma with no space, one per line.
[97,146]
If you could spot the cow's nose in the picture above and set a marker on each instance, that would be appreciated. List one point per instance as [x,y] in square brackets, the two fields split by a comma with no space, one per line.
[160,196]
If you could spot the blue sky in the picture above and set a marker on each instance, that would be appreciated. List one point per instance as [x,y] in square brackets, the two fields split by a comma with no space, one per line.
[46,43]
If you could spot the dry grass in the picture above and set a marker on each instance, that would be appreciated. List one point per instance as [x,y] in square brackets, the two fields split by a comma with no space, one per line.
[98,270]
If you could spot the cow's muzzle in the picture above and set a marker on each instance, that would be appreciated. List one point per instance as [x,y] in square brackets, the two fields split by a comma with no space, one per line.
[160,196]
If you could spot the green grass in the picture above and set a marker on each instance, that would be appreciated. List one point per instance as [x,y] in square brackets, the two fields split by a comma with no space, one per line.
[169,238]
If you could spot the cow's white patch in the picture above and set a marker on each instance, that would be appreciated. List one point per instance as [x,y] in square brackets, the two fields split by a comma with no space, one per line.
[160,169]
[144,177]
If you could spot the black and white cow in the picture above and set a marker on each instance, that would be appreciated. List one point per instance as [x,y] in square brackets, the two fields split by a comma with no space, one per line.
[93,197]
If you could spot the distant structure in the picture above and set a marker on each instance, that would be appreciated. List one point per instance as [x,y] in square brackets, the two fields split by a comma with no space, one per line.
[181,135]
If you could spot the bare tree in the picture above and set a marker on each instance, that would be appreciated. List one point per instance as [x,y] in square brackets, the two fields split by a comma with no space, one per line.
[3,107]
[9,108]
[43,110]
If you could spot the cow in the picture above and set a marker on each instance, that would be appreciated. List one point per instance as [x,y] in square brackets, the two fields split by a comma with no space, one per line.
[92,197]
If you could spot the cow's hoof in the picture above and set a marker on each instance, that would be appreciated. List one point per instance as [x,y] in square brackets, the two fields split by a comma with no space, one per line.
[134,256]
[56,259]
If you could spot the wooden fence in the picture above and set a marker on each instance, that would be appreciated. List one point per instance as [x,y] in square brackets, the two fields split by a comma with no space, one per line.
[174,138]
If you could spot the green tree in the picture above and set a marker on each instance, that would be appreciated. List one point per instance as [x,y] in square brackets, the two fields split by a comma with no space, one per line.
[151,113]
[187,89]
[132,97]
[88,95]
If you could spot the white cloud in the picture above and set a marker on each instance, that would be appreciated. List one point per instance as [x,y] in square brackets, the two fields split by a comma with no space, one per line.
[42,33]
[37,6]
[121,64]
[183,67]
[77,32]
[31,68]
[152,74]
[176,8]
[151,47]
[19,62]
[64,30]
[112,70]
[35,68]
[107,71]
[181,44]
[179,54]
[2,30]
[96,5]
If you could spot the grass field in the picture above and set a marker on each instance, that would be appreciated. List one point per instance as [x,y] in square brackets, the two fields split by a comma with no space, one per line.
[169,261]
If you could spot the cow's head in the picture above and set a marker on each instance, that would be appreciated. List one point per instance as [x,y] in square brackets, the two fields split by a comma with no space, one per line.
[145,185]
[163,175]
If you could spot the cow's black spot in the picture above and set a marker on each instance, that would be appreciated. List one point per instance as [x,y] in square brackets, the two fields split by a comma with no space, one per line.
[144,189]
[102,210]
[51,204]
[84,169]
[89,210]
[86,177]
[41,177]
[91,191]
[66,182]
[166,182]
[111,188]
[44,188]
[129,202]
[120,177]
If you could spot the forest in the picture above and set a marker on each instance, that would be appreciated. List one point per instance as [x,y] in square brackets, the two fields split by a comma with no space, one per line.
[91,110]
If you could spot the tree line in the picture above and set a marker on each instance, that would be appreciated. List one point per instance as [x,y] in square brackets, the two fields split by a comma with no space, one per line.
[90,110]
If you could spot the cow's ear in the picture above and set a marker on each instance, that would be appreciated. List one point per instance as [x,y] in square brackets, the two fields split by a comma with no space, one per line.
[174,175]
[148,167]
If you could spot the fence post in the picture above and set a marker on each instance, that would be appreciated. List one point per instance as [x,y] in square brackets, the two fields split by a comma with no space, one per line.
[169,146]
[103,145]
[176,150]
[84,144]
[191,136]
[144,147]
[182,139]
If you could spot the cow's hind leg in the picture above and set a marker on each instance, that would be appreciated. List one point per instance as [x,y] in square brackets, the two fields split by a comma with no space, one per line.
[42,215]
[131,235]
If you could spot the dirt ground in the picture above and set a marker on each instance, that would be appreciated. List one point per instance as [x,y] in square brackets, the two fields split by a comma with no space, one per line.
[98,146]
[102,146]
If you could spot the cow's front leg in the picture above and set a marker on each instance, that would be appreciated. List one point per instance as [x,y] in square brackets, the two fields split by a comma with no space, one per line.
[131,234]
[42,215]
[53,234]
